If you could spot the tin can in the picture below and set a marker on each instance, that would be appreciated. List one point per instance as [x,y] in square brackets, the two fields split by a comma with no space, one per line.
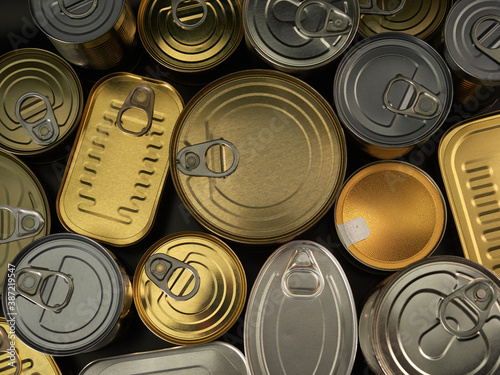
[469,162]
[390,214]
[392,92]
[24,209]
[42,103]
[299,37]
[266,164]
[70,295]
[438,316]
[189,288]
[301,317]
[94,34]
[117,169]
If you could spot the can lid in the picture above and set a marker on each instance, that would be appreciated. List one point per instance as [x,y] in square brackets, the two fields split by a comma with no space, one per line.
[69,294]
[472,37]
[76,21]
[393,90]
[301,310]
[189,288]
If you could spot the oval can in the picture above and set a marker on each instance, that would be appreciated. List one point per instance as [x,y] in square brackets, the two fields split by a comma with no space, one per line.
[301,317]
[189,288]
[71,295]
[438,316]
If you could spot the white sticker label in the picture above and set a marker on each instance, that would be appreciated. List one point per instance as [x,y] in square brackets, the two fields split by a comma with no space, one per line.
[353,231]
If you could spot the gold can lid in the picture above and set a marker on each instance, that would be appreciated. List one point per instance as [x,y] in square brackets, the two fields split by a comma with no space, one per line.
[390,214]
[190,36]
[189,288]
[42,101]
[258,156]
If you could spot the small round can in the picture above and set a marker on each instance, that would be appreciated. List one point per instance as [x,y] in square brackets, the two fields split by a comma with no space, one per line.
[299,37]
[70,295]
[437,316]
[42,103]
[390,214]
[189,288]
[94,34]
[392,92]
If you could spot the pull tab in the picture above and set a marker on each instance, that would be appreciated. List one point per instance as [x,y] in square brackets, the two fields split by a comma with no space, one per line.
[141,97]
[44,131]
[161,267]
[187,26]
[191,159]
[27,223]
[30,282]
[493,53]
[302,277]
[6,348]
[75,15]
[336,21]
[371,7]
[425,105]
[479,296]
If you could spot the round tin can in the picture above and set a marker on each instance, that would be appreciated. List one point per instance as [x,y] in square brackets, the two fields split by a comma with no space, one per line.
[24,209]
[392,92]
[42,103]
[258,156]
[69,295]
[189,288]
[438,316]
[95,34]
[390,214]
[301,317]
[299,37]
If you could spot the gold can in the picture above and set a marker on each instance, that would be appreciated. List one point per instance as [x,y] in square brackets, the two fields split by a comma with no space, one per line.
[189,288]
[118,166]
[390,214]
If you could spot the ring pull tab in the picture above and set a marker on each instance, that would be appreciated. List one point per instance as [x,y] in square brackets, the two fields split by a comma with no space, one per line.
[160,268]
[302,277]
[44,131]
[27,223]
[31,281]
[187,26]
[141,97]
[425,105]
[371,7]
[77,15]
[491,52]
[191,160]
[336,21]
[479,296]
[5,347]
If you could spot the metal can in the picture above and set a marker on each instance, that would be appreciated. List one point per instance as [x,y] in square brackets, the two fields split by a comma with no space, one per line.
[437,316]
[392,92]
[299,37]
[95,34]
[258,156]
[70,295]
[189,288]
[390,214]
[24,209]
[301,317]
[42,103]
[115,175]
[470,163]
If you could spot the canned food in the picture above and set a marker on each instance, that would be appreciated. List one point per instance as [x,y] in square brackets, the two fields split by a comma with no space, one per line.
[299,37]
[469,162]
[438,316]
[301,317]
[42,103]
[392,92]
[70,295]
[189,288]
[24,209]
[210,358]
[94,34]
[115,175]
[266,164]
[390,214]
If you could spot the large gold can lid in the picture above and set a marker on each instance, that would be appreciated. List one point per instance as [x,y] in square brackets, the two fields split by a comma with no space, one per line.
[189,288]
